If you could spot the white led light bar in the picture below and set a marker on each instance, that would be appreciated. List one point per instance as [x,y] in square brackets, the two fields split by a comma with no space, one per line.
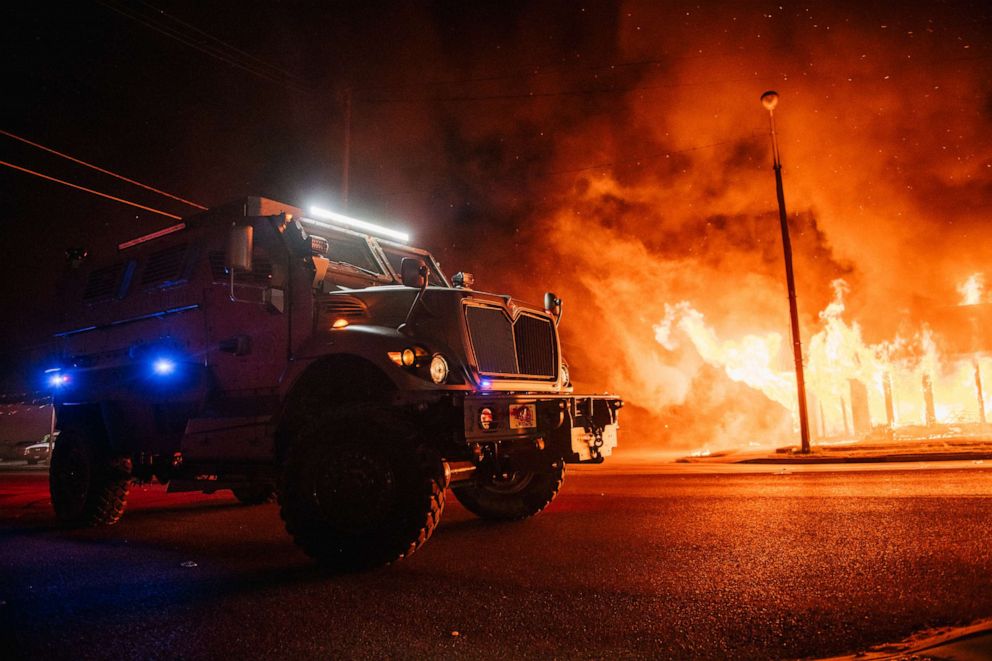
[355,223]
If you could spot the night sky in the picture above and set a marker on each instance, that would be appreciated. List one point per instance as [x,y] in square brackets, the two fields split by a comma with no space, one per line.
[615,152]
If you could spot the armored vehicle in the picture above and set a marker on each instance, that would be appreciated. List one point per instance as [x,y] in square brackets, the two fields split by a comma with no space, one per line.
[317,359]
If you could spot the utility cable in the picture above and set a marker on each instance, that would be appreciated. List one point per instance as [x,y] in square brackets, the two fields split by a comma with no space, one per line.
[646,157]
[537,95]
[176,35]
[598,166]
[99,169]
[282,72]
[89,190]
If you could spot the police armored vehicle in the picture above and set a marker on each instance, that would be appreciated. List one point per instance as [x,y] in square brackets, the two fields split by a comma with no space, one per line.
[317,359]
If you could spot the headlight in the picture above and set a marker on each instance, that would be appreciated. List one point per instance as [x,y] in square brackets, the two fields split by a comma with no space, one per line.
[439,369]
[408,357]
[566,378]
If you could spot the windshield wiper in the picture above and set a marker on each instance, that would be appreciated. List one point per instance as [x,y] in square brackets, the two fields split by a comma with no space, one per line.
[358,268]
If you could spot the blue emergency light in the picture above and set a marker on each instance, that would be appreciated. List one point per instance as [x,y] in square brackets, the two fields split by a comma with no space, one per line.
[164,366]
[57,379]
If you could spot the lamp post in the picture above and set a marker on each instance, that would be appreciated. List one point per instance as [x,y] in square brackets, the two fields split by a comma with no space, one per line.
[769,100]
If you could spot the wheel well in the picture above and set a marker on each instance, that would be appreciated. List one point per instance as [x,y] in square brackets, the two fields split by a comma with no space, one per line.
[331,381]
[87,417]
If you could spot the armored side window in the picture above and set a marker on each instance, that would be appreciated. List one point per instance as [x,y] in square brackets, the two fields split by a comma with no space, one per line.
[108,282]
[165,267]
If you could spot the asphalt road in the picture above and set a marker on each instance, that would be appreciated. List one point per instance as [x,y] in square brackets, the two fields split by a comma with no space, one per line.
[624,564]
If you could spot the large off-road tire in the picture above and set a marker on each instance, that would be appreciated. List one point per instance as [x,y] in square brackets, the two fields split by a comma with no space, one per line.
[255,494]
[359,489]
[511,497]
[89,487]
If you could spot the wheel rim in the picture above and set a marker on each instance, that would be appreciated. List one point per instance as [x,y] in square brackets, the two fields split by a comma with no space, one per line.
[508,483]
[354,489]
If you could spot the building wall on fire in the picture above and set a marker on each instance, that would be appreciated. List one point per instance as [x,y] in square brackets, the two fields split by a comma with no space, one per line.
[860,413]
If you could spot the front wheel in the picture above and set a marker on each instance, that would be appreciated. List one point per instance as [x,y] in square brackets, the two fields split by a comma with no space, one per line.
[88,486]
[510,496]
[360,490]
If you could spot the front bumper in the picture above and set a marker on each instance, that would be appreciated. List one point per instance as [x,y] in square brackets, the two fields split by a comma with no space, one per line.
[578,428]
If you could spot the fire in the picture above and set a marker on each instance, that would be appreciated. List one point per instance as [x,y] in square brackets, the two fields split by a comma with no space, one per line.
[659,207]
[971,289]
[747,360]
[854,386]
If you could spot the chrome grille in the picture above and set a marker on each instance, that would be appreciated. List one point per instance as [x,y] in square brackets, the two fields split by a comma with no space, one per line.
[526,348]
[535,342]
[492,338]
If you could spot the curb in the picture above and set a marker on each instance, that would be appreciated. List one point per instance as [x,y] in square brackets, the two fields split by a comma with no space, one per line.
[969,643]
[876,459]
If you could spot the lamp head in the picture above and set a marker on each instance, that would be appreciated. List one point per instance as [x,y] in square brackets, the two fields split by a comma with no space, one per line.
[769,100]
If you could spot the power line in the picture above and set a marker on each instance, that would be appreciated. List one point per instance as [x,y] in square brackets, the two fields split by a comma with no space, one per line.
[598,166]
[536,71]
[288,75]
[536,95]
[99,169]
[646,157]
[89,190]
[149,22]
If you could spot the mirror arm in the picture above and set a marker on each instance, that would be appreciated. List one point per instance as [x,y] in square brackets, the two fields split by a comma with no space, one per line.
[404,327]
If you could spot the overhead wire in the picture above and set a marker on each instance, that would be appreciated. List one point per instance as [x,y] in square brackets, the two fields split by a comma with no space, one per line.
[99,169]
[287,74]
[646,157]
[176,35]
[534,95]
[89,190]
[597,166]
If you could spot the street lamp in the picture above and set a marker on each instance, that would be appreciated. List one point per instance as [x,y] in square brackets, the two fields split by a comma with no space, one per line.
[770,100]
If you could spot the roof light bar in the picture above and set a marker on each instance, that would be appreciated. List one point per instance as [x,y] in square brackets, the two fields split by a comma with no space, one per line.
[341,219]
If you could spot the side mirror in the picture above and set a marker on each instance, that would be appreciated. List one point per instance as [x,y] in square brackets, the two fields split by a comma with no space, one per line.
[552,305]
[240,245]
[413,272]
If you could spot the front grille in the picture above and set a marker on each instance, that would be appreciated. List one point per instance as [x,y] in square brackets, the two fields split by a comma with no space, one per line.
[526,348]
[492,338]
[535,341]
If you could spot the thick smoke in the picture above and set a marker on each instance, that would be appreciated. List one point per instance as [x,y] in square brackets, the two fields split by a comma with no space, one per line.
[615,153]
[883,125]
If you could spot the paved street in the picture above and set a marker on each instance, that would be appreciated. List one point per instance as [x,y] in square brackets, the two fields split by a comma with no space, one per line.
[661,564]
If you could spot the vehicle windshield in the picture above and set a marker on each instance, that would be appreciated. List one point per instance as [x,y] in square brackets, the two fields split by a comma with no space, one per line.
[353,250]
[395,255]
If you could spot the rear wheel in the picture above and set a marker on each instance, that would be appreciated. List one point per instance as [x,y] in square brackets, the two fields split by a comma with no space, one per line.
[88,486]
[510,496]
[360,490]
